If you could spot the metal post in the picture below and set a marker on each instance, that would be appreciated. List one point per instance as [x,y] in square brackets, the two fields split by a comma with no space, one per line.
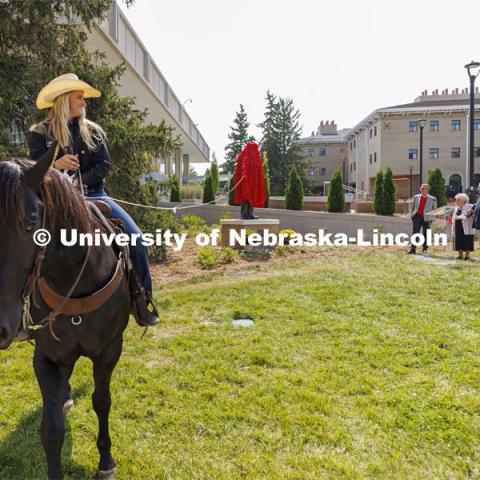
[411,180]
[421,154]
[471,139]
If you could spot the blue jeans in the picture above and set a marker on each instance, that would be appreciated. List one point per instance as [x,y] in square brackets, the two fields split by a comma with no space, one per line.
[138,252]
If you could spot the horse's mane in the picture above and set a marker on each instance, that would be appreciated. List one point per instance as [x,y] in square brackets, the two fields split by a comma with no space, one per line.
[65,206]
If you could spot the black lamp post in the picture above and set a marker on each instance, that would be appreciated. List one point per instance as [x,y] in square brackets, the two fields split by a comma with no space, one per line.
[473,69]
[421,125]
[411,180]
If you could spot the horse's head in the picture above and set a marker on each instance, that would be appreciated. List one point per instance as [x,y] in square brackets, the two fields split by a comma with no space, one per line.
[21,212]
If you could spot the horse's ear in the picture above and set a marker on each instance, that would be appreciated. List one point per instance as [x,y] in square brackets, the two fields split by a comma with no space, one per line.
[34,175]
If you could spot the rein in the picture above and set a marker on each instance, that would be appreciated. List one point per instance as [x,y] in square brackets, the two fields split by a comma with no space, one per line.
[32,281]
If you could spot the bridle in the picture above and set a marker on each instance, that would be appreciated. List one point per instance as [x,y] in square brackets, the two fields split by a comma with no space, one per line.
[29,290]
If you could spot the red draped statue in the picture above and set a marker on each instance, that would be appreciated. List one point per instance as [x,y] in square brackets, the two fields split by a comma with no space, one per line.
[249,192]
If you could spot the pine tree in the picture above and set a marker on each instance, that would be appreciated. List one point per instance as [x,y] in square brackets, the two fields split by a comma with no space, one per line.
[280,132]
[208,195]
[266,175]
[336,195]
[174,189]
[378,195]
[437,186]
[214,173]
[294,191]
[239,137]
[389,190]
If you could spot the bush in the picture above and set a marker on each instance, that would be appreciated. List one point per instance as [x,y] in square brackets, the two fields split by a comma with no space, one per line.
[191,191]
[294,191]
[437,186]
[192,223]
[336,195]
[288,232]
[207,258]
[378,194]
[389,197]
[266,175]
[226,216]
[227,255]
[150,221]
[174,189]
[208,192]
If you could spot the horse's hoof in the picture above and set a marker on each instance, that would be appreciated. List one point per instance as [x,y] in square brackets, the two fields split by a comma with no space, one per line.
[106,474]
[67,406]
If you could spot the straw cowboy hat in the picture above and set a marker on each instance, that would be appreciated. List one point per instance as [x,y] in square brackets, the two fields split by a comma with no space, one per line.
[68,82]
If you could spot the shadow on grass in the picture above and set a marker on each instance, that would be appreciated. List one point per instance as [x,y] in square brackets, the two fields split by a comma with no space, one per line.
[22,455]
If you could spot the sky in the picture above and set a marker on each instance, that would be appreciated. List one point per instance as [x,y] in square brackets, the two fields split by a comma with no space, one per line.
[339,60]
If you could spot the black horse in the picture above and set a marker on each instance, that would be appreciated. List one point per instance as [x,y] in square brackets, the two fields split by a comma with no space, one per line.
[32,196]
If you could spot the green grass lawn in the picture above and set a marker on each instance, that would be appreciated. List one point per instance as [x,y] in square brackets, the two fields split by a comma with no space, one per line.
[364,366]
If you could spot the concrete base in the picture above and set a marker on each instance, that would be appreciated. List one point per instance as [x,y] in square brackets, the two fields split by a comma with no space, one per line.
[257,225]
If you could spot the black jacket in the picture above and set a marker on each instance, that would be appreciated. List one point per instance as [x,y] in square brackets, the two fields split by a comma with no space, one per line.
[94,164]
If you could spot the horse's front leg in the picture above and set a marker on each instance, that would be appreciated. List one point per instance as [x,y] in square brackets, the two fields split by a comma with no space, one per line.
[53,380]
[103,366]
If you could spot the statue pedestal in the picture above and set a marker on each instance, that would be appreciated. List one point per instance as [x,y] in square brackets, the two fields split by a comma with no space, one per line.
[258,225]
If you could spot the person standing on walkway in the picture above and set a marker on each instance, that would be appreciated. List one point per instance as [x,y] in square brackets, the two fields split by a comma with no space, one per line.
[462,227]
[422,204]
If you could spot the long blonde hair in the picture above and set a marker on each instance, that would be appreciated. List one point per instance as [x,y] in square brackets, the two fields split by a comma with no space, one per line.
[56,125]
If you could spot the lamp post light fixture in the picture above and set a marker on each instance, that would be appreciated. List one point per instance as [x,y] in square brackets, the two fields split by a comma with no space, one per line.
[473,69]
[187,101]
[421,125]
[410,167]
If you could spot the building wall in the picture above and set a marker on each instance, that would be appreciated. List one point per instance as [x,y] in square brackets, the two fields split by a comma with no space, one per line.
[394,140]
[323,166]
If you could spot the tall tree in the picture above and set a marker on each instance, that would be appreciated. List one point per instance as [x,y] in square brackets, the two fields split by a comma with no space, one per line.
[238,137]
[378,193]
[294,191]
[389,191]
[336,194]
[280,132]
[40,40]
[437,186]
[214,173]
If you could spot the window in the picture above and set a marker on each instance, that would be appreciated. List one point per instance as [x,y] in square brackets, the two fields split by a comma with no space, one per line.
[455,152]
[456,125]
[412,154]
[351,145]
[323,171]
[113,21]
[322,152]
[370,159]
[370,133]
[434,125]
[355,143]
[354,165]
[311,172]
[146,64]
[310,152]
[375,131]
[476,123]
[434,153]
[351,166]
[412,126]
[375,157]
[477,151]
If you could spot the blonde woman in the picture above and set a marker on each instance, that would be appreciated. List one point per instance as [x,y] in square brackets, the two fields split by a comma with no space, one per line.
[462,227]
[83,150]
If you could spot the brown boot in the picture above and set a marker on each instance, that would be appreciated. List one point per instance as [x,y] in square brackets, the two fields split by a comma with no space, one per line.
[143,307]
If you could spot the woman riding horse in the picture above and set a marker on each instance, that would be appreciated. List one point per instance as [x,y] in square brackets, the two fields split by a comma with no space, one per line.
[82,149]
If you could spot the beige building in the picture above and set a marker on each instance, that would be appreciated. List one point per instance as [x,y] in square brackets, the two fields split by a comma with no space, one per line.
[144,81]
[389,137]
[324,151]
